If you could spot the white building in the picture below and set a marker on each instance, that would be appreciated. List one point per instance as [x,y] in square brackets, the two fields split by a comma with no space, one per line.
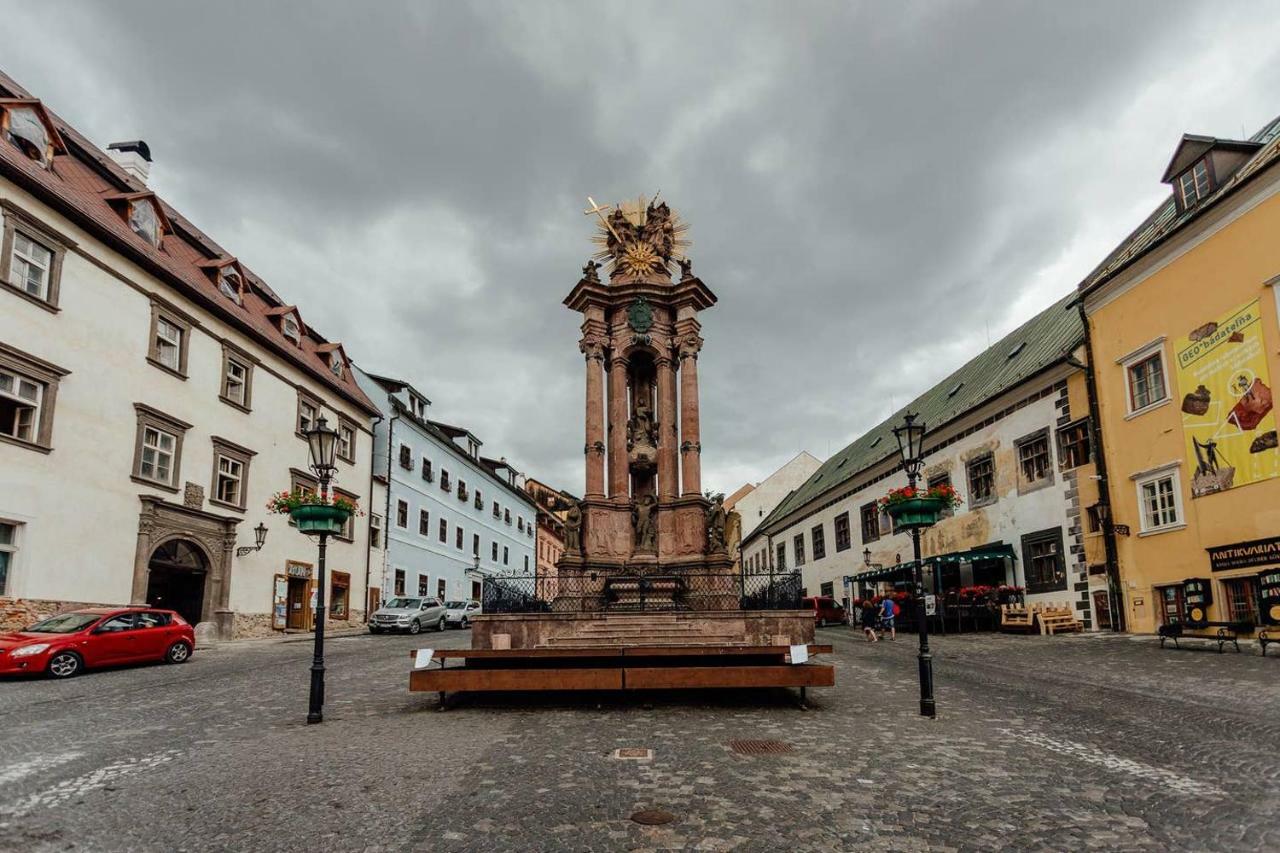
[755,503]
[153,392]
[1009,430]
[452,515]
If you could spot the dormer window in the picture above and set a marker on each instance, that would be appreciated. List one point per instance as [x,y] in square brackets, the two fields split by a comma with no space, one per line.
[335,365]
[144,221]
[291,329]
[1194,184]
[25,125]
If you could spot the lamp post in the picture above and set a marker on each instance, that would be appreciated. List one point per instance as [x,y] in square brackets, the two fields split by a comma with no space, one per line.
[323,445]
[259,539]
[910,438]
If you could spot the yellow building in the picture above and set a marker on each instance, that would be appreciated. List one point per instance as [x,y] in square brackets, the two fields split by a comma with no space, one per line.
[1185,347]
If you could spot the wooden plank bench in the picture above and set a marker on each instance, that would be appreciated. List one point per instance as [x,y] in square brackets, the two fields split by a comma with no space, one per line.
[1016,618]
[1213,632]
[1056,620]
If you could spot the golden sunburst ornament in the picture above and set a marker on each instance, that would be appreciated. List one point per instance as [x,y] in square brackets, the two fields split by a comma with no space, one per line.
[639,239]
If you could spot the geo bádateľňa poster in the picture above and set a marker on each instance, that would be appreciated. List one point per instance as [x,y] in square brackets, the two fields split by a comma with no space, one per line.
[1228,421]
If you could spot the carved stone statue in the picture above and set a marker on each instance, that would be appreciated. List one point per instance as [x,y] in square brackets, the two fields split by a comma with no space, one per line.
[641,428]
[717,518]
[686,269]
[573,529]
[733,532]
[591,272]
[642,518]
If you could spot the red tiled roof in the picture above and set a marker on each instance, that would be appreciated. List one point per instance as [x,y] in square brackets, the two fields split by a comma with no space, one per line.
[81,184]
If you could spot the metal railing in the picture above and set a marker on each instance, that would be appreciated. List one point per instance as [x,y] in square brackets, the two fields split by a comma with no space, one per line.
[596,592]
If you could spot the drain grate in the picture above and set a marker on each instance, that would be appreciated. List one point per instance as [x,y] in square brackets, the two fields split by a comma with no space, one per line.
[759,747]
[653,817]
[633,753]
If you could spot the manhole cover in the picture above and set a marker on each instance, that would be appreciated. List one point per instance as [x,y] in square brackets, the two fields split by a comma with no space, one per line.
[633,753]
[759,747]
[653,817]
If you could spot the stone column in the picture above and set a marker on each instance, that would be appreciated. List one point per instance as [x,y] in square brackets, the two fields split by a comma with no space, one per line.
[668,433]
[141,560]
[618,428]
[594,446]
[690,436]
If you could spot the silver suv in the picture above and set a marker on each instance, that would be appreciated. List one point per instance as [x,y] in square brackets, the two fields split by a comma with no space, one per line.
[407,614]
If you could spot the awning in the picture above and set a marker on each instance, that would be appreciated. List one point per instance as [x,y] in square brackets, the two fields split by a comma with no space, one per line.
[883,572]
[994,551]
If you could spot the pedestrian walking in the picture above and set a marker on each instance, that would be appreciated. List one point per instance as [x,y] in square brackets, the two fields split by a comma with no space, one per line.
[870,613]
[888,609]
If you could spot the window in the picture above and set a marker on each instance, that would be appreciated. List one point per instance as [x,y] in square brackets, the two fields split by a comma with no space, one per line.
[24,129]
[399,582]
[31,258]
[827,589]
[504,555]
[441,589]
[230,473]
[506,516]
[457,537]
[479,499]
[1193,184]
[1144,374]
[520,523]
[170,336]
[475,544]
[797,544]
[291,328]
[444,480]
[229,284]
[782,556]
[870,514]
[1159,501]
[402,514]
[375,530]
[1073,444]
[1240,599]
[494,556]
[842,532]
[19,405]
[526,562]
[308,413]
[427,473]
[8,547]
[982,480]
[123,622]
[424,522]
[152,620]
[339,595]
[424,586]
[157,453]
[943,479]
[462,490]
[819,542]
[346,442]
[145,221]
[1094,513]
[444,530]
[335,365]
[1172,607]
[348,533]
[1044,562]
[237,376]
[1034,460]
[406,457]
[497,512]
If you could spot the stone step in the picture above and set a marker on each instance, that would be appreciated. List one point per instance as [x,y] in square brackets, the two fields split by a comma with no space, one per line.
[607,642]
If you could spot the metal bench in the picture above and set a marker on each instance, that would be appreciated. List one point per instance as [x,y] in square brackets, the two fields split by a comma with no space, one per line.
[1215,632]
[1267,636]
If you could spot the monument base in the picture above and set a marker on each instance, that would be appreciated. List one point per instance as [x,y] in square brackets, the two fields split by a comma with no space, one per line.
[726,628]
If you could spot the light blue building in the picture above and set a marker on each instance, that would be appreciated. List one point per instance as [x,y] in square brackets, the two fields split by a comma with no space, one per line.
[451,516]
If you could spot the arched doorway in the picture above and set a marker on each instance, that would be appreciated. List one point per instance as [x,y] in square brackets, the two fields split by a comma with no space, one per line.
[176,577]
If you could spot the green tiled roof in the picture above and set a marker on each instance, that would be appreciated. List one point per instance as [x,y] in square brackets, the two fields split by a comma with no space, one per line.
[1040,343]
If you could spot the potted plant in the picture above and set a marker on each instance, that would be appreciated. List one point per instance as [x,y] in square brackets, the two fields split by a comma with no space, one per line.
[314,513]
[912,506]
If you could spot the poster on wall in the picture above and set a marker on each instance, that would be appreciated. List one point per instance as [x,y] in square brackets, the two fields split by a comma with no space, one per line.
[280,603]
[1228,422]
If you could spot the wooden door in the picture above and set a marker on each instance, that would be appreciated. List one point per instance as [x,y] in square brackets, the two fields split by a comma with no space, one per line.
[297,614]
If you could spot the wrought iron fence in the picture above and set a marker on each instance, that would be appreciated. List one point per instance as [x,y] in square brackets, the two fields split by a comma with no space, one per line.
[594,592]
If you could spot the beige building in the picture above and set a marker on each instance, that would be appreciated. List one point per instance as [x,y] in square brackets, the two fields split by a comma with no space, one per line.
[153,394]
[754,502]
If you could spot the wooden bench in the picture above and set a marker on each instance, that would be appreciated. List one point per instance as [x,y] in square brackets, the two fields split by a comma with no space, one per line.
[1014,617]
[1214,632]
[1055,620]
[1267,636]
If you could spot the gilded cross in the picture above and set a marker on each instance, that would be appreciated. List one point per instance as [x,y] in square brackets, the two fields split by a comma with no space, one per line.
[600,211]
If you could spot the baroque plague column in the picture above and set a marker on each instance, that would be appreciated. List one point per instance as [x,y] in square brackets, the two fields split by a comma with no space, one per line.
[643,511]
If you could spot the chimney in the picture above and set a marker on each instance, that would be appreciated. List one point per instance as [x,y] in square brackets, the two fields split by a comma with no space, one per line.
[134,157]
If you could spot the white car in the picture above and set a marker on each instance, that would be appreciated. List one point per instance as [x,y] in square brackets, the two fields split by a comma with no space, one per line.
[407,614]
[459,613]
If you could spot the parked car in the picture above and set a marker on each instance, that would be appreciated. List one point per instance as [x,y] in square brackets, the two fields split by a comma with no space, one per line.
[459,613]
[407,614]
[67,644]
[826,610]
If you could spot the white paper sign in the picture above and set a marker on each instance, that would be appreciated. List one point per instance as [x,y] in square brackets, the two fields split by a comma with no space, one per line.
[422,659]
[930,605]
[800,653]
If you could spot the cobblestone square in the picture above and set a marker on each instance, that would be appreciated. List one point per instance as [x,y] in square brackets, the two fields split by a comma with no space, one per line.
[1093,742]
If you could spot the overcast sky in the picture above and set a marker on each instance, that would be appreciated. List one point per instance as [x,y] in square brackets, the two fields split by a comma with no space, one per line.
[874,190]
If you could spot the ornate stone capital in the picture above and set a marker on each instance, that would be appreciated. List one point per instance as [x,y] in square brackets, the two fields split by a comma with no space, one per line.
[689,345]
[593,346]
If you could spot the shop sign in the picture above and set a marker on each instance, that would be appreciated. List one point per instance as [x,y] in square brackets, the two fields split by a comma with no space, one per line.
[298,570]
[1243,555]
[1228,425]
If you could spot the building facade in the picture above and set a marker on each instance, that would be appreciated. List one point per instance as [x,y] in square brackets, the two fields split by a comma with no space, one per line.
[1182,321]
[753,503]
[451,516]
[153,394]
[1010,431]
[553,506]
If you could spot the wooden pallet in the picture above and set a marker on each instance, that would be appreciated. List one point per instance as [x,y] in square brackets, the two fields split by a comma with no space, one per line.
[619,668]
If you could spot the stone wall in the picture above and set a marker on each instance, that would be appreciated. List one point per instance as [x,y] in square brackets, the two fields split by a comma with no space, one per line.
[249,626]
[18,613]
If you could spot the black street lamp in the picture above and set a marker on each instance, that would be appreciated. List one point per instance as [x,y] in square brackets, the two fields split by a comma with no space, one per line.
[911,448]
[323,444]
[259,539]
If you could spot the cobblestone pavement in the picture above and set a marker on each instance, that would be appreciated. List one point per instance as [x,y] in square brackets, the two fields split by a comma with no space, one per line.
[1092,742]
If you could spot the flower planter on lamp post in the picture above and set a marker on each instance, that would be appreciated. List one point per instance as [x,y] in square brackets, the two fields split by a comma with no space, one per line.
[915,512]
[315,519]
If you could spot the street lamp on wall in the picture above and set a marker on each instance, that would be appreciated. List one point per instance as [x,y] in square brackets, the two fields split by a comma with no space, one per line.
[866,556]
[259,538]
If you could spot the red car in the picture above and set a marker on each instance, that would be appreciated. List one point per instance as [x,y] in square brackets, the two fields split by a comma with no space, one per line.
[825,609]
[67,644]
